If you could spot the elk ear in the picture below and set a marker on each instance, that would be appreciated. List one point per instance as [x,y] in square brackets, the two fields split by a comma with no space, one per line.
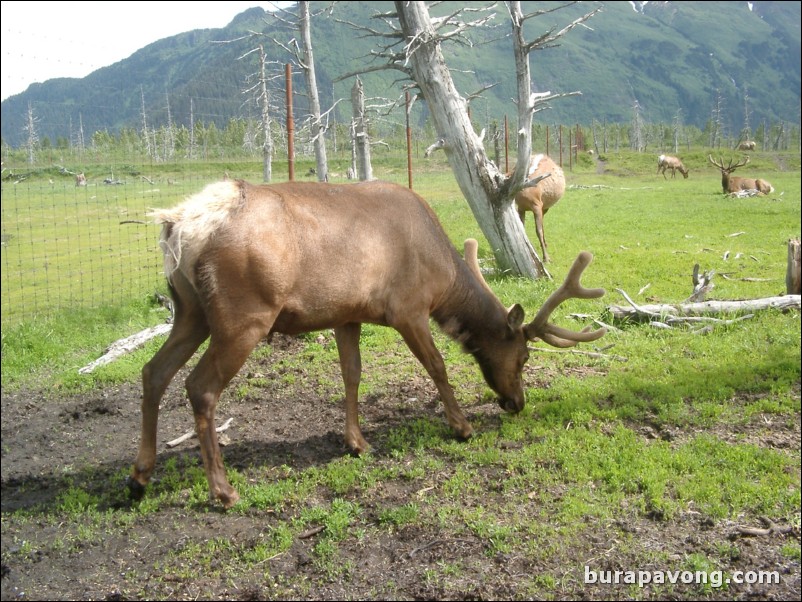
[515,317]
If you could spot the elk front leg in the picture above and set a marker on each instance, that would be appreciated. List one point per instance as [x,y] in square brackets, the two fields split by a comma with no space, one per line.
[419,339]
[347,338]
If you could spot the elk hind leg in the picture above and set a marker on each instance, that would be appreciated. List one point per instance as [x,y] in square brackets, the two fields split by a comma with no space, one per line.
[218,365]
[189,331]
[538,211]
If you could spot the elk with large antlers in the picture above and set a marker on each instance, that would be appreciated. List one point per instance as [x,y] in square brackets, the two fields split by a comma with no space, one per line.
[733,184]
[541,197]
[244,261]
[665,162]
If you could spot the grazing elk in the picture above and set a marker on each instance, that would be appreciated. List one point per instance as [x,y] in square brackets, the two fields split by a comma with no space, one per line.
[747,145]
[731,184]
[540,198]
[665,162]
[80,179]
[244,261]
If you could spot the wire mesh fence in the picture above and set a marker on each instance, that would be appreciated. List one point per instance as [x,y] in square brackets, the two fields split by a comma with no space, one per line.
[69,244]
[66,246]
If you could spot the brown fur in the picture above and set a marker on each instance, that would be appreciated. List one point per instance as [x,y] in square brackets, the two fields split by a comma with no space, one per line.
[665,162]
[731,184]
[540,198]
[245,261]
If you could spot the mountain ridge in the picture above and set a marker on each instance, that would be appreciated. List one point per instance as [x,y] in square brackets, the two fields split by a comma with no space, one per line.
[677,60]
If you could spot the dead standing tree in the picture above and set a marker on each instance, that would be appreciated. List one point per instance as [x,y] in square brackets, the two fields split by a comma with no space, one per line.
[488,190]
[305,59]
[360,142]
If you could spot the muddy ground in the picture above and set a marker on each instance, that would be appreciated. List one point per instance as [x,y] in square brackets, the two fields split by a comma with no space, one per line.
[50,441]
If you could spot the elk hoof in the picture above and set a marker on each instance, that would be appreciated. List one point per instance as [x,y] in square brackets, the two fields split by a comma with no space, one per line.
[135,489]
[356,445]
[464,433]
[229,499]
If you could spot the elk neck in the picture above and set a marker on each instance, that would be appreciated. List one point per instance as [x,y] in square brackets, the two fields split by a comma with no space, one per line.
[469,312]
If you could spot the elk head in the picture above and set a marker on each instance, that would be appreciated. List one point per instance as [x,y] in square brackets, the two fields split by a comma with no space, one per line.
[501,359]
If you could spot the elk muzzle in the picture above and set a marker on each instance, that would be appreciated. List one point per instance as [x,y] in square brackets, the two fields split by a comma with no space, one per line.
[512,405]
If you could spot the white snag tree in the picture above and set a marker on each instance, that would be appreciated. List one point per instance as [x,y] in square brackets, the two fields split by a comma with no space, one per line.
[304,57]
[489,191]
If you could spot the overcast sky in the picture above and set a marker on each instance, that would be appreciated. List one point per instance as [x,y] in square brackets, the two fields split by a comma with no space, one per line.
[43,40]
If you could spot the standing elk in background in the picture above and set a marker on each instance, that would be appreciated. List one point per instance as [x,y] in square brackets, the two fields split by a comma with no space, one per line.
[747,145]
[731,184]
[80,179]
[245,261]
[665,162]
[540,198]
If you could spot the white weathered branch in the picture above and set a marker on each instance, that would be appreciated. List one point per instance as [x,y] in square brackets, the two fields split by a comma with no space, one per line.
[126,345]
[665,312]
[192,434]
[593,354]
[439,145]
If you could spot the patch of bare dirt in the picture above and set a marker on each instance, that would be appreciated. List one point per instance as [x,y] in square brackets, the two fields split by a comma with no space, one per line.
[90,440]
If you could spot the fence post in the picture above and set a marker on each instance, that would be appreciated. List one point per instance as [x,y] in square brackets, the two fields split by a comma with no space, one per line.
[560,142]
[548,140]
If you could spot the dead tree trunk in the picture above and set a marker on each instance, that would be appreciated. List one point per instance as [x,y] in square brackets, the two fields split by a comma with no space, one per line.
[264,99]
[487,190]
[308,66]
[360,139]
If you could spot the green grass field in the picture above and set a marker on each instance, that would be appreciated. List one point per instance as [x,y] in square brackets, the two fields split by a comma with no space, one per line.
[71,268]
[665,426]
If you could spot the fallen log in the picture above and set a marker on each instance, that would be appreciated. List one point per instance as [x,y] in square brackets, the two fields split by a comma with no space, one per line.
[641,313]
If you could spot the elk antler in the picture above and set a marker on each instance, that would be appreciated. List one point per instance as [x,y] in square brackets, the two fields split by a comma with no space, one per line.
[472,259]
[730,167]
[557,336]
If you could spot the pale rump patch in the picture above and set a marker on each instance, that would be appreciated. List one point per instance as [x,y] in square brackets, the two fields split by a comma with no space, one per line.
[188,226]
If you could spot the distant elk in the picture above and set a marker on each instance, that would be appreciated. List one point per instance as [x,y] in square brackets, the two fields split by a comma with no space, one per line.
[747,145]
[731,184]
[665,162]
[540,198]
[80,179]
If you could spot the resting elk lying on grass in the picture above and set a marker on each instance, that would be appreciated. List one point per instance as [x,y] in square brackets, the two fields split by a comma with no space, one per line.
[730,183]
[540,198]
[665,162]
[244,261]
